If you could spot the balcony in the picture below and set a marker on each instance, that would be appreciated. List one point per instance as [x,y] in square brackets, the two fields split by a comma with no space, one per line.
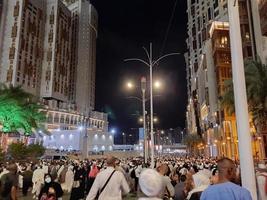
[222,47]
[263,16]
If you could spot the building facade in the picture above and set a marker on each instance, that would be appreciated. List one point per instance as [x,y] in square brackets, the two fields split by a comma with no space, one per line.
[208,67]
[57,44]
[70,131]
[84,33]
[21,44]
[49,48]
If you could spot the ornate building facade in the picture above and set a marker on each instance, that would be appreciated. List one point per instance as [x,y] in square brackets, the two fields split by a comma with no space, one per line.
[209,65]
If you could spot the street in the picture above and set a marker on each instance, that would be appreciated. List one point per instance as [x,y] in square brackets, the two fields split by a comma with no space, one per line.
[67,196]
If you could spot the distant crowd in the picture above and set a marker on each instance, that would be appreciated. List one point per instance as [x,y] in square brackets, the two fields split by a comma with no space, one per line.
[174,177]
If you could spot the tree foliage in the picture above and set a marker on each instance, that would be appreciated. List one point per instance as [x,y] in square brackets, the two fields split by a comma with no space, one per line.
[256,85]
[35,150]
[20,151]
[19,110]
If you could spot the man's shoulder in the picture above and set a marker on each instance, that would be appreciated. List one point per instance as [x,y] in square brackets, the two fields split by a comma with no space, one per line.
[223,186]
[107,171]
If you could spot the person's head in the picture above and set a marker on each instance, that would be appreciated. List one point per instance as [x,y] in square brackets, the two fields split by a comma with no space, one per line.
[117,162]
[150,182]
[182,178]
[226,169]
[47,178]
[111,161]
[163,169]
[175,177]
[13,168]
[199,180]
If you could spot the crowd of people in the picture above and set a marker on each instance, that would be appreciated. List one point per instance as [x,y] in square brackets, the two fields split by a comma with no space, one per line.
[173,177]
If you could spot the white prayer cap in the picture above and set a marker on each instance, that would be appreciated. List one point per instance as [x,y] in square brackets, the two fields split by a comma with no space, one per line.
[200,180]
[150,182]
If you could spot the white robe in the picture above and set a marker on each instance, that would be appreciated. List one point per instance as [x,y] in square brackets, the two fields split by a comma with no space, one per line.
[69,178]
[261,180]
[5,171]
[37,180]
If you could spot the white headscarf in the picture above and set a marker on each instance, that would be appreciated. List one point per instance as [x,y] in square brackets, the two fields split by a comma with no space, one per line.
[150,182]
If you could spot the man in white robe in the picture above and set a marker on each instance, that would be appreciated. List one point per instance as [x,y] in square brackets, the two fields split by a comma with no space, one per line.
[37,180]
[69,178]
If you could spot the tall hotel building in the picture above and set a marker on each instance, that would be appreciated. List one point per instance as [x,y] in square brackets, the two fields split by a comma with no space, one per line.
[84,33]
[49,47]
[57,51]
[208,63]
[21,44]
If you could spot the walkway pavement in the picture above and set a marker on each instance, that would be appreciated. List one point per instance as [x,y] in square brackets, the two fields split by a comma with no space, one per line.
[66,197]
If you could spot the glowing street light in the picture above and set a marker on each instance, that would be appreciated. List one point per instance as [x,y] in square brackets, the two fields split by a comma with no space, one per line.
[157,84]
[129,85]
[150,62]
[113,131]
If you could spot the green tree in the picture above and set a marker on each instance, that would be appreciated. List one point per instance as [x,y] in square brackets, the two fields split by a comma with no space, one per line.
[256,85]
[35,150]
[19,110]
[18,151]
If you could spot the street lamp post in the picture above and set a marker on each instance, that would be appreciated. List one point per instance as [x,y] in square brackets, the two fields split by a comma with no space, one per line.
[84,137]
[143,88]
[151,63]
[241,107]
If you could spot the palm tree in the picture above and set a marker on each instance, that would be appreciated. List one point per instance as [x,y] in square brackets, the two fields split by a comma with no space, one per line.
[256,82]
[256,85]
[19,110]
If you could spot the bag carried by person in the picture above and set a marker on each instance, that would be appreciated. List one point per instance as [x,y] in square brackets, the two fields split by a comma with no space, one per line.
[102,189]
[167,195]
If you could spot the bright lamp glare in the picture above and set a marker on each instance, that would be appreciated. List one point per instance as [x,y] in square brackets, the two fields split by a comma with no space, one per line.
[157,84]
[129,85]
[113,131]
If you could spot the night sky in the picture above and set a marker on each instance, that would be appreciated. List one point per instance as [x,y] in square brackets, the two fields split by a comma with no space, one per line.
[125,26]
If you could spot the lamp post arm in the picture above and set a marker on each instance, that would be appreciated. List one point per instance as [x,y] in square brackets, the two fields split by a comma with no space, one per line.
[137,59]
[146,53]
[160,58]
[133,97]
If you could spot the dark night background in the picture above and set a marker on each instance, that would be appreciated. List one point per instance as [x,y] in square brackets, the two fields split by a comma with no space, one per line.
[125,26]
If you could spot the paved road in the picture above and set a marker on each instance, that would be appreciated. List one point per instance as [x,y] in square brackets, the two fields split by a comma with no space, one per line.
[66,197]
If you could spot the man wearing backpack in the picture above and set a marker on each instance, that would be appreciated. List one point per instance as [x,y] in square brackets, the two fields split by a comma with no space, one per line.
[9,184]
[109,183]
